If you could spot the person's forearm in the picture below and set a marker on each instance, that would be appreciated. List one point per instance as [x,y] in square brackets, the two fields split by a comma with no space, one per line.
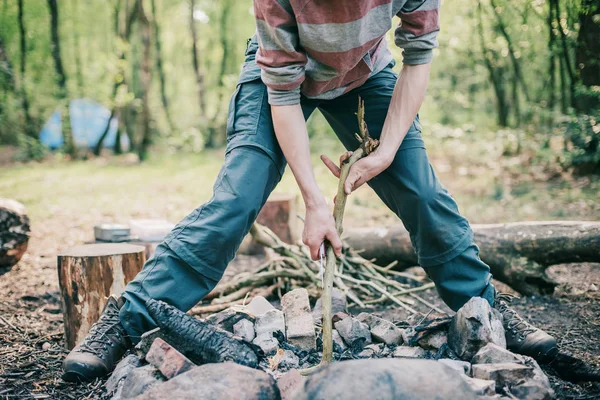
[407,99]
[290,129]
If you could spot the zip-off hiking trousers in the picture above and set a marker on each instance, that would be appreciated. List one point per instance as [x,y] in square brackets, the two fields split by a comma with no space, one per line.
[191,260]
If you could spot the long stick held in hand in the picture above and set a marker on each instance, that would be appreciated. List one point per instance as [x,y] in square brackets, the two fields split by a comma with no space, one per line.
[367,145]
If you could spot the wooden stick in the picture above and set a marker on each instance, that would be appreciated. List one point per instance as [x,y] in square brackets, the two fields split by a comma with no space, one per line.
[366,146]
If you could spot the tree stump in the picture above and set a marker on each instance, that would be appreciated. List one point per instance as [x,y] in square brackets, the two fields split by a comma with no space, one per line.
[279,215]
[14,232]
[87,275]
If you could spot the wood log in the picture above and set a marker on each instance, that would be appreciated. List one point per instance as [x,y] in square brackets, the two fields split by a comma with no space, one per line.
[200,341]
[87,275]
[14,232]
[517,253]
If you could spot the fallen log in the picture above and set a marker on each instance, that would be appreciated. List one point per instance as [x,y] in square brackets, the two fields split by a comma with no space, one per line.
[14,232]
[199,341]
[517,253]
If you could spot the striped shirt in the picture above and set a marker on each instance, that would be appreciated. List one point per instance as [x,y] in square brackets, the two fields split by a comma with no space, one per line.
[324,48]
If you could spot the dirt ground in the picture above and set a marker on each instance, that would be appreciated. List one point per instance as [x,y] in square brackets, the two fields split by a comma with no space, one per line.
[31,335]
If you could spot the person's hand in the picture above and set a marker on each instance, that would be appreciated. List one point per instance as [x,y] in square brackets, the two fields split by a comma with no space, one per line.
[362,171]
[318,226]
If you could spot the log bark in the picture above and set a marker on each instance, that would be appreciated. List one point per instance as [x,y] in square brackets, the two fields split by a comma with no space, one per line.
[517,253]
[14,232]
[87,275]
[199,341]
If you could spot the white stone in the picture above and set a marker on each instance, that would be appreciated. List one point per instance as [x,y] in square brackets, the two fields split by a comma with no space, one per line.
[381,329]
[300,329]
[338,340]
[408,352]
[267,343]
[481,387]
[245,330]
[270,322]
[338,304]
[258,306]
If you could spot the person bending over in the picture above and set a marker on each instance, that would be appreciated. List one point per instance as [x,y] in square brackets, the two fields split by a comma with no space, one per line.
[308,55]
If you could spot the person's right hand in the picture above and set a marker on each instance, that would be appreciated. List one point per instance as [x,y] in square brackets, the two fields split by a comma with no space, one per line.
[318,226]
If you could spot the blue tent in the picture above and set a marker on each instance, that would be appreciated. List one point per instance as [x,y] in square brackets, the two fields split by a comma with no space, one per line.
[88,121]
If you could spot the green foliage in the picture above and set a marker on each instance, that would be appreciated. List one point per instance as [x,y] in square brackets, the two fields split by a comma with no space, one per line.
[583,132]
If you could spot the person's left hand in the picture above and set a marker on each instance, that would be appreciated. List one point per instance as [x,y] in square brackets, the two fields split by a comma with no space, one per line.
[362,171]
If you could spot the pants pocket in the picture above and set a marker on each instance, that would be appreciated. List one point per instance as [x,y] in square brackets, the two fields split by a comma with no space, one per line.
[245,108]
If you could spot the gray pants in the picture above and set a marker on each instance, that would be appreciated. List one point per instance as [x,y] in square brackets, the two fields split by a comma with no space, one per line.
[193,257]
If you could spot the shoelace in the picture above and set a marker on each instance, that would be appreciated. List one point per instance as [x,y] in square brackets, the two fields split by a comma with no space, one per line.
[514,321]
[97,341]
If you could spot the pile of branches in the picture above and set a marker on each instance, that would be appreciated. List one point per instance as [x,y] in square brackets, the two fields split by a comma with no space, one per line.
[363,282]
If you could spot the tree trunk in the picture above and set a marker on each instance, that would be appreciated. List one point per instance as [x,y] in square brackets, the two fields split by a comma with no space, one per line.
[14,233]
[217,127]
[160,68]
[29,128]
[197,70]
[517,253]
[87,275]
[77,47]
[495,74]
[61,78]
[146,76]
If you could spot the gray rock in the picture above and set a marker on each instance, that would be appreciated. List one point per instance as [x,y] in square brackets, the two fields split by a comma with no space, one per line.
[338,304]
[123,368]
[267,343]
[270,322]
[221,381]
[461,366]
[244,329]
[226,319]
[408,352]
[139,381]
[300,329]
[146,340]
[381,329]
[481,387]
[503,374]
[385,379]
[351,330]
[475,325]
[537,387]
[493,354]
[258,306]
[434,341]
[338,339]
[366,353]
[290,359]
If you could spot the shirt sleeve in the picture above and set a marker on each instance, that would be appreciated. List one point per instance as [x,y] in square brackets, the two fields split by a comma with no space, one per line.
[280,56]
[417,32]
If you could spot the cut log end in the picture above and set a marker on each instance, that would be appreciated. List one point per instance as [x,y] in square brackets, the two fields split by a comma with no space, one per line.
[14,232]
[88,275]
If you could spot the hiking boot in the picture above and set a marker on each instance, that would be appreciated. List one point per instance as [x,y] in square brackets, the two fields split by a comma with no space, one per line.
[102,348]
[522,337]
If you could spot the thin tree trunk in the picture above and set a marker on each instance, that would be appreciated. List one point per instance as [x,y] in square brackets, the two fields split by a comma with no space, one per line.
[29,128]
[77,46]
[551,62]
[146,76]
[197,70]
[217,127]
[567,64]
[160,68]
[61,78]
[495,77]
[516,65]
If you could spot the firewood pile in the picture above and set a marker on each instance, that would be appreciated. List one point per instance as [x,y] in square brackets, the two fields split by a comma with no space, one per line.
[361,280]
[258,351]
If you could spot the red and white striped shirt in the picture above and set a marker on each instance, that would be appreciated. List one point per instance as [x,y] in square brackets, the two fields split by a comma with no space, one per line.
[324,48]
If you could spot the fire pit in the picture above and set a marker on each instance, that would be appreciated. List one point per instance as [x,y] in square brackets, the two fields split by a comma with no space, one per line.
[257,351]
